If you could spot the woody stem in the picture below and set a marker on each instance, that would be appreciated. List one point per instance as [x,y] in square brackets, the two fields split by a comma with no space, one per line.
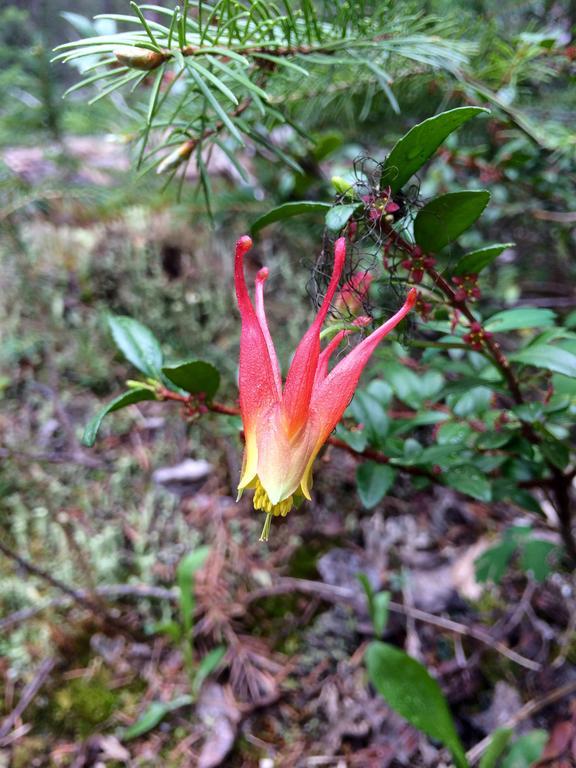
[560,481]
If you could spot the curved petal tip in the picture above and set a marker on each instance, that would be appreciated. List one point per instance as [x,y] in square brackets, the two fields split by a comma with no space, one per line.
[243,245]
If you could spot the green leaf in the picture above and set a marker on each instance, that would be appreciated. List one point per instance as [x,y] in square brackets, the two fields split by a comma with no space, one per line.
[286,211]
[473,402]
[381,601]
[374,481]
[453,433]
[523,317]
[208,664]
[122,401]
[498,743]
[357,440]
[469,480]
[137,343]
[410,691]
[526,750]
[195,377]
[154,715]
[187,568]
[536,558]
[445,218]
[551,358]
[338,216]
[556,452]
[369,412]
[419,144]
[405,384]
[507,489]
[474,262]
[492,564]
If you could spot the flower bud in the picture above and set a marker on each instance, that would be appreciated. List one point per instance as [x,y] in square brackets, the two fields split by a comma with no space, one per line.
[175,158]
[342,186]
[139,58]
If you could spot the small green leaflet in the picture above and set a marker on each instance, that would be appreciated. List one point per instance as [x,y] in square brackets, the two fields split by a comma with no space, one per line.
[338,216]
[522,317]
[526,750]
[498,743]
[374,481]
[474,262]
[154,715]
[446,217]
[195,377]
[286,211]
[410,691]
[137,343]
[187,568]
[469,480]
[550,358]
[128,398]
[418,145]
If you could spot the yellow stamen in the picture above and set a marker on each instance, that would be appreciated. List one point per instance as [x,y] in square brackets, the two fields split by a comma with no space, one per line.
[262,501]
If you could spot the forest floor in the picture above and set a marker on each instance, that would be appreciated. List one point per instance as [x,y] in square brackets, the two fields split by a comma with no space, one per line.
[93,631]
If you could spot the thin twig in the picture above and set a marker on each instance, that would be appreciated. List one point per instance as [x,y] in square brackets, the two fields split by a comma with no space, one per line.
[111,591]
[336,594]
[529,709]
[82,597]
[27,697]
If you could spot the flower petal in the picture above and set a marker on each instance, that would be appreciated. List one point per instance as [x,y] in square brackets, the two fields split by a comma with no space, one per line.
[300,379]
[282,458]
[257,383]
[324,358]
[335,392]
[261,278]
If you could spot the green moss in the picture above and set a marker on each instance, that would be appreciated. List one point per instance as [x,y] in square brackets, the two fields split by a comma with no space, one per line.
[81,705]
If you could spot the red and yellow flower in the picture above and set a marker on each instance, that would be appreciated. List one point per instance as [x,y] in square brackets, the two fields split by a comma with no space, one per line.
[285,426]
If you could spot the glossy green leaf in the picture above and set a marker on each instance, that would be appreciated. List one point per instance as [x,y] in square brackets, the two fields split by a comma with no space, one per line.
[526,750]
[522,317]
[474,262]
[187,568]
[550,358]
[195,377]
[374,481]
[469,480]
[418,145]
[454,433]
[137,343]
[286,211]
[410,691]
[446,217]
[153,716]
[122,401]
[338,216]
[498,743]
